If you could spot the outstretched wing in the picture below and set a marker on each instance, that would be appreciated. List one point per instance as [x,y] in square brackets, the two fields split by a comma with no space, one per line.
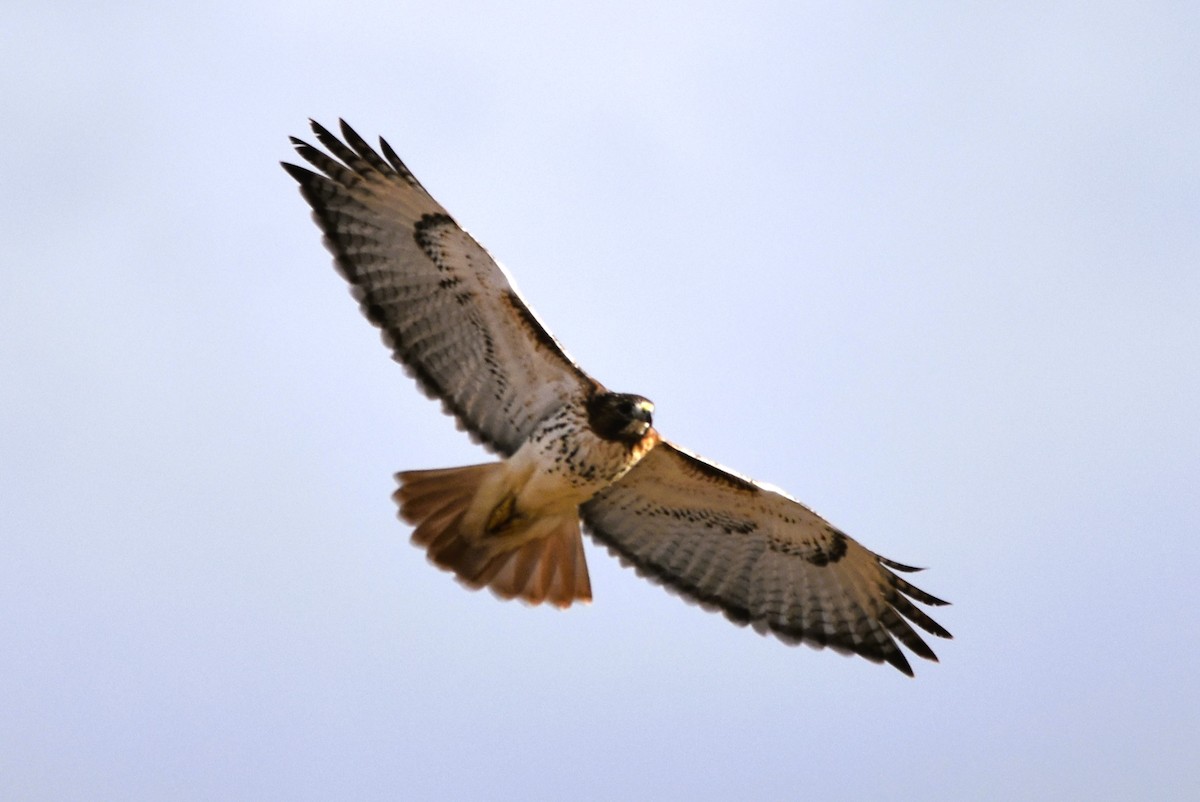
[448,311]
[759,557]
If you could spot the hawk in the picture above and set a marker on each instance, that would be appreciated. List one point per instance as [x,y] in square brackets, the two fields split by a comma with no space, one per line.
[571,449]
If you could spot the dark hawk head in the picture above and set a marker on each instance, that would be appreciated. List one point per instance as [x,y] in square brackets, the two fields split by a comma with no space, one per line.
[620,416]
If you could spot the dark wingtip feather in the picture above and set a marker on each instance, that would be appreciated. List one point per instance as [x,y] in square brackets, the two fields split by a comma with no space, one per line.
[301,174]
[898,661]
[365,151]
[321,131]
[335,146]
[393,157]
[350,135]
[740,615]
[915,592]
[908,569]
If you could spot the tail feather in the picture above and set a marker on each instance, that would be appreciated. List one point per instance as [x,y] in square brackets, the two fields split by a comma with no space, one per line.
[572,573]
[427,496]
[537,560]
[551,567]
[520,569]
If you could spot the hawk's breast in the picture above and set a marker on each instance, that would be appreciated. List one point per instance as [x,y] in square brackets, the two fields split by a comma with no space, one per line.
[569,463]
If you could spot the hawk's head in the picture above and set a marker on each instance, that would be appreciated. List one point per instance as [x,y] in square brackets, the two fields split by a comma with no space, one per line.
[620,416]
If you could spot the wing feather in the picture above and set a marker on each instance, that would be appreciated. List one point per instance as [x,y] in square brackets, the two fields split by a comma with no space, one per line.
[760,557]
[448,311]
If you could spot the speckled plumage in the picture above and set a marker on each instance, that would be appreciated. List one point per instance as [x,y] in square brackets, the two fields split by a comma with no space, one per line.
[571,449]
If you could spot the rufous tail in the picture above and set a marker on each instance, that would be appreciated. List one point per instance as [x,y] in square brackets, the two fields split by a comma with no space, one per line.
[539,560]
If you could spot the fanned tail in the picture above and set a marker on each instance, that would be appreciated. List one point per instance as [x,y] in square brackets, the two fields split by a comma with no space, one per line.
[538,560]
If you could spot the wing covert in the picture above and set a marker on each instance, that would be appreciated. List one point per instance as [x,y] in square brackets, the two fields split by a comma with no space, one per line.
[760,557]
[448,311]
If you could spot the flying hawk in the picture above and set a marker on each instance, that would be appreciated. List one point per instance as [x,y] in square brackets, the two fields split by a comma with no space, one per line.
[571,449]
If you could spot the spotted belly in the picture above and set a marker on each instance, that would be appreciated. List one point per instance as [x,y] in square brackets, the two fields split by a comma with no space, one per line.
[568,463]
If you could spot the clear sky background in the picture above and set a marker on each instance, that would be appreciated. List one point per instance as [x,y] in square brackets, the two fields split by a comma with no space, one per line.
[934,269]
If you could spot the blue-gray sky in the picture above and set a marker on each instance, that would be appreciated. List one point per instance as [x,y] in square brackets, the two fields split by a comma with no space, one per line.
[933,269]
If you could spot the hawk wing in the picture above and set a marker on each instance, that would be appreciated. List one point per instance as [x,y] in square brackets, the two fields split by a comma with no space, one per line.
[759,557]
[448,311]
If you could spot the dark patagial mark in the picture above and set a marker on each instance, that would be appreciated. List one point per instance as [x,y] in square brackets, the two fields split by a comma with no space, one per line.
[543,337]
[424,234]
[836,549]
[716,474]
[816,553]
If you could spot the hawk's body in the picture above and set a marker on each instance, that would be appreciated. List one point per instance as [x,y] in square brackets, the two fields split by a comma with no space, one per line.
[573,449]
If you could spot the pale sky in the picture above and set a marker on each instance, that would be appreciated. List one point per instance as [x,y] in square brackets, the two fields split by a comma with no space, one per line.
[932,269]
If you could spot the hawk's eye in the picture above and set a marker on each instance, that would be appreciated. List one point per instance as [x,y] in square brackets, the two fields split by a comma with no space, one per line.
[626,408]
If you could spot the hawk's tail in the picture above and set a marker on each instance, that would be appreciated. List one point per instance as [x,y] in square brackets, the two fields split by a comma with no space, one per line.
[536,560]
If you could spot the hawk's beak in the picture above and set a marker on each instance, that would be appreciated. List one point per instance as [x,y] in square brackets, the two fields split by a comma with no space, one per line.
[643,418]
